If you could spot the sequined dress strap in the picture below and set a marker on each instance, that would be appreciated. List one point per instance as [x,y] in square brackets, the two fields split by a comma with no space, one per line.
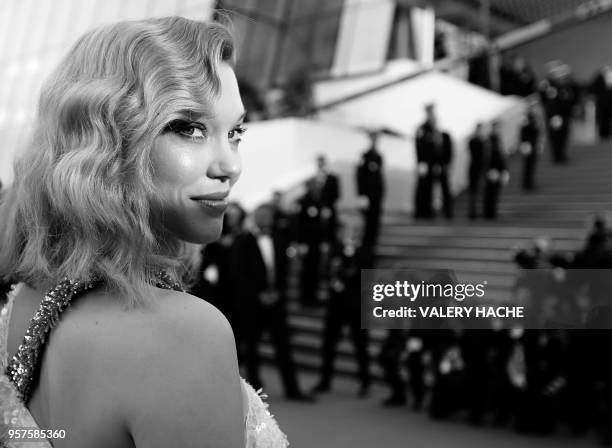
[23,367]
[6,314]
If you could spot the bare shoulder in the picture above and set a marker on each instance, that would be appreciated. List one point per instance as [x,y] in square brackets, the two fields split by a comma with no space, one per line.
[169,371]
[188,388]
[187,313]
[172,318]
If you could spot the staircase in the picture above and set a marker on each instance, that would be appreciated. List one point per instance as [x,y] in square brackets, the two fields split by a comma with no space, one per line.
[559,209]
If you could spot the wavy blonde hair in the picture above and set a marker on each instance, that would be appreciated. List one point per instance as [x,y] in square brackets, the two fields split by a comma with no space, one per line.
[80,204]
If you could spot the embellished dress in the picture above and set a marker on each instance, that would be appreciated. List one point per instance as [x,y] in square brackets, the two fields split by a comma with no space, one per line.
[261,429]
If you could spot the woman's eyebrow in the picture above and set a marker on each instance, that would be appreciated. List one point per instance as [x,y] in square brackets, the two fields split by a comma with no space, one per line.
[195,115]
[203,115]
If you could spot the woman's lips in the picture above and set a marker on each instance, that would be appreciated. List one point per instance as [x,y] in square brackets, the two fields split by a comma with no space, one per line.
[218,206]
[216,203]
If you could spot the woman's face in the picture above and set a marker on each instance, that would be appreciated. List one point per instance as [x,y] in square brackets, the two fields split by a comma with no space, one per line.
[195,164]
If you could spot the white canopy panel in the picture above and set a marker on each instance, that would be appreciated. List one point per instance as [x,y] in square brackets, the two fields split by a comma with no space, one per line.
[280,154]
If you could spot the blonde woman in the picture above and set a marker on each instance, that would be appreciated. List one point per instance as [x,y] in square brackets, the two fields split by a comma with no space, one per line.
[133,155]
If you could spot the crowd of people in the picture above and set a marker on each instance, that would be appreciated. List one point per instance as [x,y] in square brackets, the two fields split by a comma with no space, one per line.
[488,167]
[553,102]
[538,381]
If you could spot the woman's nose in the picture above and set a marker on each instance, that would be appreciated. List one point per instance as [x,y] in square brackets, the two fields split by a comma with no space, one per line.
[226,163]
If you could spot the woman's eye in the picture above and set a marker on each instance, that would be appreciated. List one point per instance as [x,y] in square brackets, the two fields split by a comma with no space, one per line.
[235,135]
[196,131]
[193,131]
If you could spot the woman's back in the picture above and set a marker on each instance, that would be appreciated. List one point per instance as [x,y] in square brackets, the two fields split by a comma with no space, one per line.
[112,377]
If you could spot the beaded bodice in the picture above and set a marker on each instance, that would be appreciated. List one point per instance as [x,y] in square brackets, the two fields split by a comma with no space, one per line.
[22,367]
[18,373]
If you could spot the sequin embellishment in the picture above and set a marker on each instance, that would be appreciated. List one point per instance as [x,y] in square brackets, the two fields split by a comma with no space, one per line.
[21,369]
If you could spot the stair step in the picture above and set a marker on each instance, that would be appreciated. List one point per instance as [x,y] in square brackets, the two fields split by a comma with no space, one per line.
[459,266]
[551,207]
[505,219]
[444,253]
[500,231]
[448,241]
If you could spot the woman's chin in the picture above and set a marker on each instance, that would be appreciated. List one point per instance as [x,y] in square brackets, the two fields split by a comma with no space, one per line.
[200,236]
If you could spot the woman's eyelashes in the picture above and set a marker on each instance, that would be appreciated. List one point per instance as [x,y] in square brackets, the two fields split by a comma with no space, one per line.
[198,131]
[189,129]
[235,135]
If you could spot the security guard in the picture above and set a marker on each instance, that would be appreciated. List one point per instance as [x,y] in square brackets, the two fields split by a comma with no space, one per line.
[344,307]
[496,173]
[422,198]
[530,147]
[312,229]
[602,90]
[329,192]
[478,153]
[371,189]
[434,155]
[558,98]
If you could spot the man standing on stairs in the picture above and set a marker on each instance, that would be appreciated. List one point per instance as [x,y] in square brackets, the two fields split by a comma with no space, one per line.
[558,94]
[329,192]
[371,189]
[529,147]
[478,153]
[312,233]
[434,155]
[422,197]
[496,173]
[259,266]
[316,228]
[602,89]
[344,306]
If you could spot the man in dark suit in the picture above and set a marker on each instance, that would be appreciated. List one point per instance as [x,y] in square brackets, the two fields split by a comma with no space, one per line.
[316,228]
[371,189]
[312,228]
[215,282]
[282,221]
[602,89]
[559,95]
[344,307]
[329,192]
[438,169]
[496,172]
[529,147]
[478,154]
[422,198]
[434,154]
[259,266]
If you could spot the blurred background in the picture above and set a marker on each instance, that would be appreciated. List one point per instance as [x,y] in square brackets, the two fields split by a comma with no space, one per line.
[470,135]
